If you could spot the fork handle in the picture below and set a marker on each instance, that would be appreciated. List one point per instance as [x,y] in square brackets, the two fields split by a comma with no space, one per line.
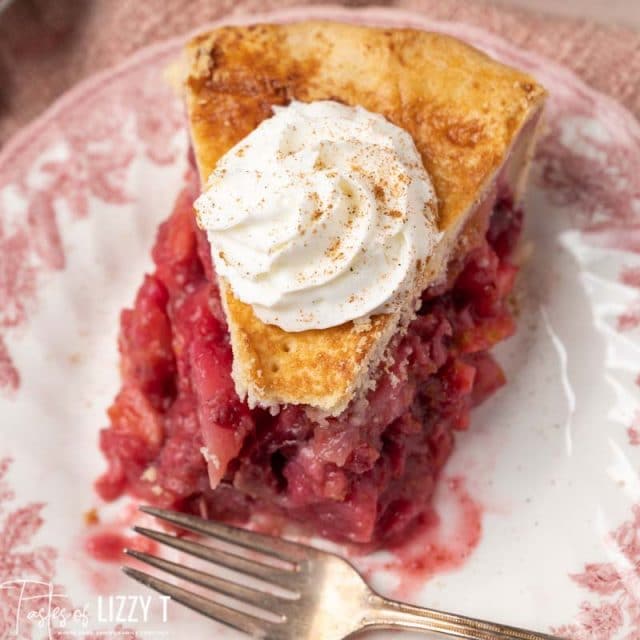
[389,614]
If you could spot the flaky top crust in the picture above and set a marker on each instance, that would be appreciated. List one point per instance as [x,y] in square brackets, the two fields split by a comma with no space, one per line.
[462,109]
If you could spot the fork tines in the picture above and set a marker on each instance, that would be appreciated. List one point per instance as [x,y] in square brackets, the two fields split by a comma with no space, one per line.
[286,574]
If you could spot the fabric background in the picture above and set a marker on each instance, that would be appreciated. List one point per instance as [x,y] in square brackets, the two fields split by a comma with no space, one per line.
[46,46]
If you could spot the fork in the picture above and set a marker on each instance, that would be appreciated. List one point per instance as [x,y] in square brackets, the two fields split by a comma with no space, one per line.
[320,596]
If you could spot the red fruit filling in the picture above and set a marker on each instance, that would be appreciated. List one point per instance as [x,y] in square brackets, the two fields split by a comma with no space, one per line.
[177,427]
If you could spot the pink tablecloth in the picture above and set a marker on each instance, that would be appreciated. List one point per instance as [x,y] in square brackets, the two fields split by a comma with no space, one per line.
[45,46]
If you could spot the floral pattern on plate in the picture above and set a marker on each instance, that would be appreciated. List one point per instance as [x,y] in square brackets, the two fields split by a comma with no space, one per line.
[552,460]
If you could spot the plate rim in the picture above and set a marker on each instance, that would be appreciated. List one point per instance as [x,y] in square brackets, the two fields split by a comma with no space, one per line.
[22,140]
[614,114]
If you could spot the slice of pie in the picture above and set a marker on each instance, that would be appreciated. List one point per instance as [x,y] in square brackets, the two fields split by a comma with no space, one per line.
[343,428]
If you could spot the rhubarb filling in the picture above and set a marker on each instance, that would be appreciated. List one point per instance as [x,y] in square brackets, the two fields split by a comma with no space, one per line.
[179,436]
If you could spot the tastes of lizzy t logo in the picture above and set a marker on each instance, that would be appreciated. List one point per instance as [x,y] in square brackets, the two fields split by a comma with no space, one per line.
[33,605]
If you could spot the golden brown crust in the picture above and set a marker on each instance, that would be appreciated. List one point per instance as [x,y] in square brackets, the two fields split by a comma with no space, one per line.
[462,109]
[274,359]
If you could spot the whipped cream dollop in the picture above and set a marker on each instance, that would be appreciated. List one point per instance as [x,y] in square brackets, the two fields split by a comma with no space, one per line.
[323,214]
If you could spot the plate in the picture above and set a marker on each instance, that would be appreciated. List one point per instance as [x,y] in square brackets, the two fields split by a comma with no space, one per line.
[540,508]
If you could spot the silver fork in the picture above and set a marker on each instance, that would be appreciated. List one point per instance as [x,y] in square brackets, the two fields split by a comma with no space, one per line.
[321,595]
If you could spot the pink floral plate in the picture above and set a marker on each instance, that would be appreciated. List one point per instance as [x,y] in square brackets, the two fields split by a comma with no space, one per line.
[540,509]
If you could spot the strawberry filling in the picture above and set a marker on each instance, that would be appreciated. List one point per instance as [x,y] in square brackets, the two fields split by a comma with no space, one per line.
[177,427]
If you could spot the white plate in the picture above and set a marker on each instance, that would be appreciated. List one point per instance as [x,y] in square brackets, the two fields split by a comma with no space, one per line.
[542,527]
